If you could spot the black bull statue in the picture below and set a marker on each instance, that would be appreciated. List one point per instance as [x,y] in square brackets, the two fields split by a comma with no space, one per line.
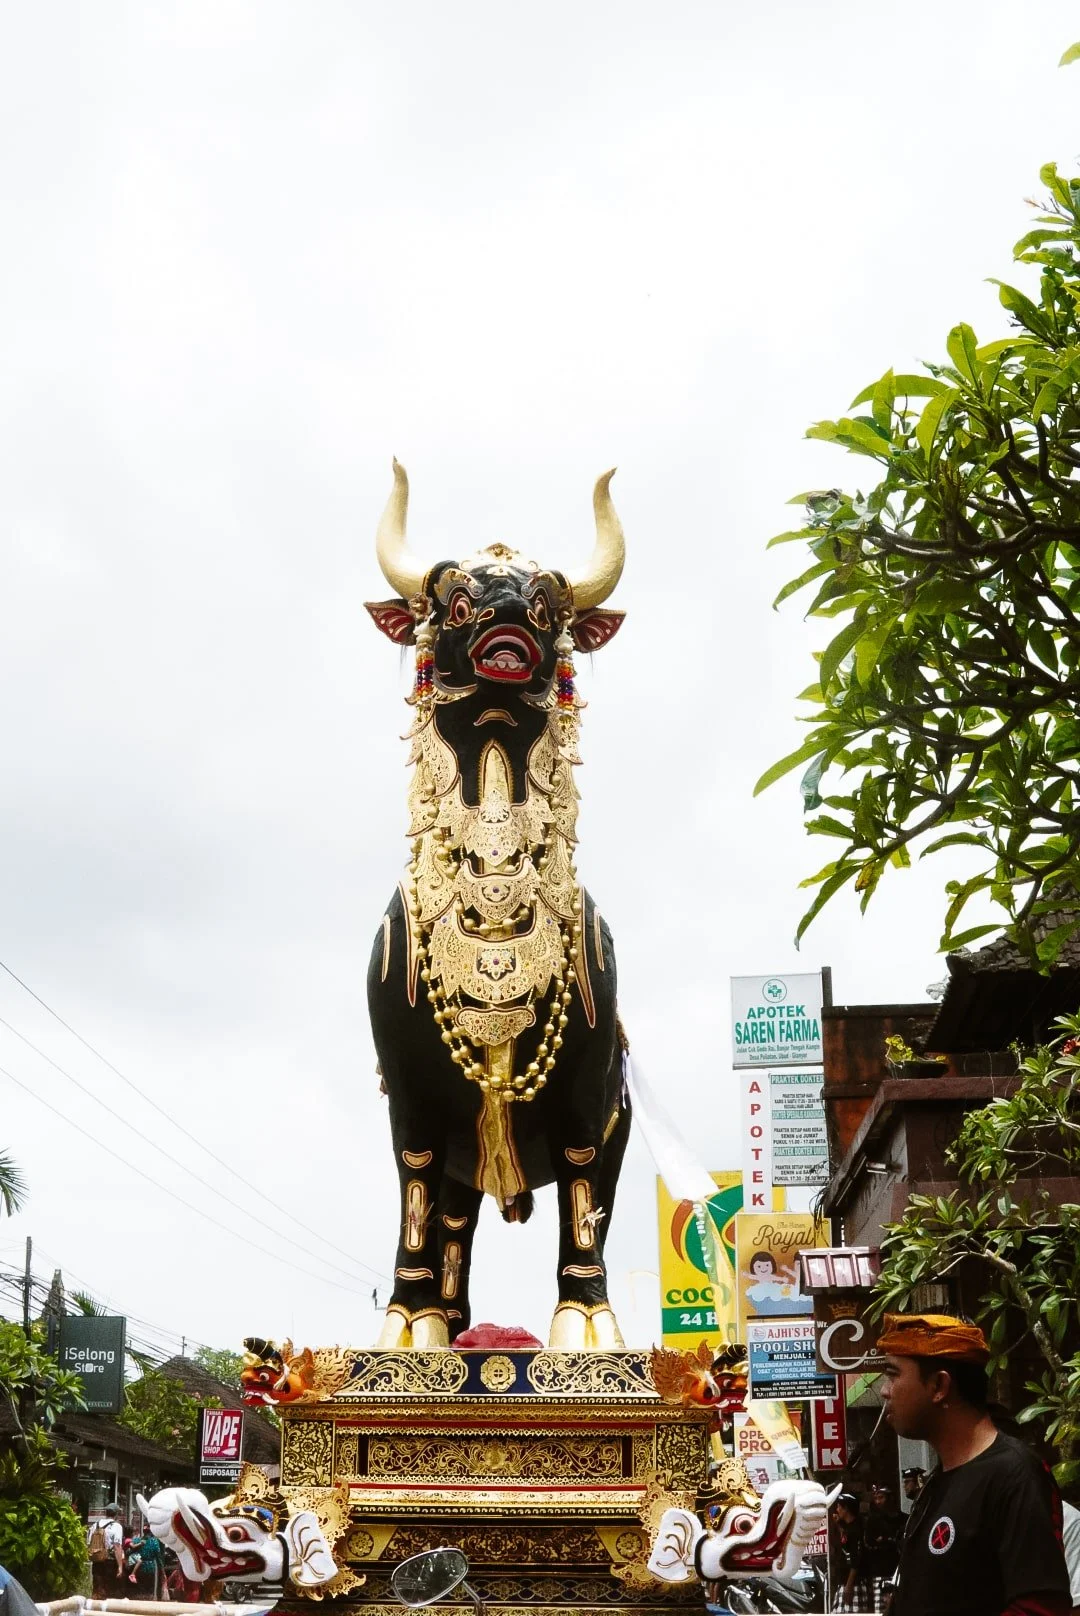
[492,981]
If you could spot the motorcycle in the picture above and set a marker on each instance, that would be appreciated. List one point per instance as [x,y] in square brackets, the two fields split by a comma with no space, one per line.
[806,1593]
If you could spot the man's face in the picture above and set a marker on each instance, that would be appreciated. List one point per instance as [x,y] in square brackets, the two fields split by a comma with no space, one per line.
[879,1498]
[909,1401]
[911,1486]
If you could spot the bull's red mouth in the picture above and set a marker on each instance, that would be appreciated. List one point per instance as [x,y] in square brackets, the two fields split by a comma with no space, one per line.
[507,654]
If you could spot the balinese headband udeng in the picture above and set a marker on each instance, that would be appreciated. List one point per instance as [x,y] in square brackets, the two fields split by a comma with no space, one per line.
[933,1335]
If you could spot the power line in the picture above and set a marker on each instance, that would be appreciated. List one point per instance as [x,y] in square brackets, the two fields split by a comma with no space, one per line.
[189,1206]
[199,1179]
[41,1291]
[91,1289]
[175,1123]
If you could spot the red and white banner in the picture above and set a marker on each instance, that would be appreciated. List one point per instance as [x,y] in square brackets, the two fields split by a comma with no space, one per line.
[756,1152]
[221,1436]
[829,1433]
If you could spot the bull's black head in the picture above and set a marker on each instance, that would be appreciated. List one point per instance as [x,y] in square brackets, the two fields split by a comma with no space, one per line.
[496,616]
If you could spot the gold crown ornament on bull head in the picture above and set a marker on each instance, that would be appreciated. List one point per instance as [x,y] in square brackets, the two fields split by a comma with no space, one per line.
[492,963]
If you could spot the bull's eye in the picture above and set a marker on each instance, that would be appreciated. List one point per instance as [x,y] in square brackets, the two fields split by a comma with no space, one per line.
[460,609]
[541,613]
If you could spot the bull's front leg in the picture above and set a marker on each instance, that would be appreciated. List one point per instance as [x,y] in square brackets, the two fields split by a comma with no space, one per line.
[416,1314]
[458,1211]
[583,1318]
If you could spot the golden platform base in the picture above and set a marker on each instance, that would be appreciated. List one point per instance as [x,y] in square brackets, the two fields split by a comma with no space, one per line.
[549,1469]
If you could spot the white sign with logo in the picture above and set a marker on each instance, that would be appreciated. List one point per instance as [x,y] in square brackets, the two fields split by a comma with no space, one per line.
[800,1145]
[776,1020]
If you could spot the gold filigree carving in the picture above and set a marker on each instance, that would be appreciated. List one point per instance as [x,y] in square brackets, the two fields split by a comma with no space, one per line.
[454,1223]
[598,940]
[591,1374]
[496,973]
[347,1456]
[495,1026]
[510,1458]
[385,947]
[434,880]
[416,1373]
[498,1372]
[413,1273]
[416,1158]
[580,1158]
[582,1270]
[560,890]
[497,897]
[681,1455]
[307,1453]
[508,1544]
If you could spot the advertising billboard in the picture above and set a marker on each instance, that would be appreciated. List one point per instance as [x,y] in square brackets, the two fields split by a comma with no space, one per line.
[94,1348]
[776,1020]
[220,1439]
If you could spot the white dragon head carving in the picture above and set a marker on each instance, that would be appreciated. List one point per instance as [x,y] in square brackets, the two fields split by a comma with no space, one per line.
[767,1542]
[241,1542]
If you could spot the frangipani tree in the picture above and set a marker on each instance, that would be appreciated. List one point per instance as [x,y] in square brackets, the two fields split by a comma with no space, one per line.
[945,705]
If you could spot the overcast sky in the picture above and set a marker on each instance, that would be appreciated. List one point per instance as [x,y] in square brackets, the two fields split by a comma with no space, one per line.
[253,250]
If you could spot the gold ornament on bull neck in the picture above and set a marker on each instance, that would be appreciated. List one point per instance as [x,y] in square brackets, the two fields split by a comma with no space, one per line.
[494,902]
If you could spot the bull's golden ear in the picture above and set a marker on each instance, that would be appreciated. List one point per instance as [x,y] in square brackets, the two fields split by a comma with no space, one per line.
[395,620]
[590,630]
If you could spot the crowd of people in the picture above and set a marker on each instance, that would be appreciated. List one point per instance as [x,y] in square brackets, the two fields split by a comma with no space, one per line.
[133,1564]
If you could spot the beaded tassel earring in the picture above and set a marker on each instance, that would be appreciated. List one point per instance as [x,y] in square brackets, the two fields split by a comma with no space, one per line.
[566,696]
[424,687]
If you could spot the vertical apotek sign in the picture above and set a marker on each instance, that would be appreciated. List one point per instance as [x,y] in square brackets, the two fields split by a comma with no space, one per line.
[221,1436]
[776,1020]
[94,1349]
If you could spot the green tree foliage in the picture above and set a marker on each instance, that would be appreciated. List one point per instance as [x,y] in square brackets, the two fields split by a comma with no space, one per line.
[946,702]
[159,1409]
[41,1537]
[33,1391]
[12,1186]
[42,1544]
[1023,1244]
[222,1364]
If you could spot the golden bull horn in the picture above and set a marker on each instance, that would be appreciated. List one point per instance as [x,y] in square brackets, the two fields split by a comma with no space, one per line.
[605,566]
[404,571]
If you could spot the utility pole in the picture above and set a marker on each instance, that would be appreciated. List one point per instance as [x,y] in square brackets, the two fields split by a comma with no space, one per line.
[26,1289]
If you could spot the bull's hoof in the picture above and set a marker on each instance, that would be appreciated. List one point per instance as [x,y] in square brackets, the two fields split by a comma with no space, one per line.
[403,1331]
[577,1327]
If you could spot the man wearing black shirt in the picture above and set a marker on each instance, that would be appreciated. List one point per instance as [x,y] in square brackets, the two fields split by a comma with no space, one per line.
[984,1537]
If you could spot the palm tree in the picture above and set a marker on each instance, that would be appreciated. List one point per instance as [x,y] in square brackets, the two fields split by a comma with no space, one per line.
[12,1185]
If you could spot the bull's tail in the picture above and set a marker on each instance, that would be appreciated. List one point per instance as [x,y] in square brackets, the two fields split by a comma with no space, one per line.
[518,1210]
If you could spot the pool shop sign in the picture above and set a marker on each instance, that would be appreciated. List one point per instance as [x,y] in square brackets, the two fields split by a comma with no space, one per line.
[776,1020]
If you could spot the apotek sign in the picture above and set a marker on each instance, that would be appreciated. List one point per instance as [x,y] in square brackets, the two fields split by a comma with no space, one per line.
[221,1434]
[828,1417]
[94,1348]
[776,1020]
